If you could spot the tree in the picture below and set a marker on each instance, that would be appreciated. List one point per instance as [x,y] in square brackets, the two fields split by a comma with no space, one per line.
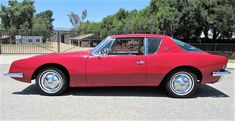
[43,24]
[177,18]
[217,16]
[84,14]
[1,26]
[76,20]
[18,15]
[113,24]
[164,17]
[88,27]
[43,20]
[136,22]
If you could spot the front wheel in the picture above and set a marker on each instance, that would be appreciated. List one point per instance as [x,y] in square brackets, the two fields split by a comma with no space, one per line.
[51,81]
[181,83]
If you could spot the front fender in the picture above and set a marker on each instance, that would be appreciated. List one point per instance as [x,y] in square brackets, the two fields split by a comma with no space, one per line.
[75,65]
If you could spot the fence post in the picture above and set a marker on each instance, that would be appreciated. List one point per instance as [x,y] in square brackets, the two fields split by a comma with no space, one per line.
[0,46]
[58,41]
[215,46]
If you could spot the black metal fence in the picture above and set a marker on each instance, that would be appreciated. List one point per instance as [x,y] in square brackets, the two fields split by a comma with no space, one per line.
[39,42]
[227,49]
[14,42]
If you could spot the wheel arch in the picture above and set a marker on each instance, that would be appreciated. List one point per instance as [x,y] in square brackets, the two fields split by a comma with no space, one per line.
[55,65]
[190,68]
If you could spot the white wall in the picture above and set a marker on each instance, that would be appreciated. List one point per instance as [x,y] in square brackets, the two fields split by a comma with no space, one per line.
[31,39]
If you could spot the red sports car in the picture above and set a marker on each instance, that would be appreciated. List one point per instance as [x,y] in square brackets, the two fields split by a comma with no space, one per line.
[124,60]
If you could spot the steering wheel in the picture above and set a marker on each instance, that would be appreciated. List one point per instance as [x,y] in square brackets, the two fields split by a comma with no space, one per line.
[104,51]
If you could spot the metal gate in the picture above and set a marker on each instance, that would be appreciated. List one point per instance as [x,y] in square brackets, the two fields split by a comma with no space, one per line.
[40,42]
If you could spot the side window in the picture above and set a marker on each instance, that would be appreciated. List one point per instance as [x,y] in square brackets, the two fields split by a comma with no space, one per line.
[127,46]
[153,44]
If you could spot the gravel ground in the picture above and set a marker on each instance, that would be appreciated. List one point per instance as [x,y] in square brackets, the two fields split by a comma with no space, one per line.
[20,101]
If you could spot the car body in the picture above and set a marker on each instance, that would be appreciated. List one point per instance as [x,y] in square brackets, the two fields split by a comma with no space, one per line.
[143,68]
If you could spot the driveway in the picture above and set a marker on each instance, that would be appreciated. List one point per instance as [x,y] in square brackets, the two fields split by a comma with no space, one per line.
[20,101]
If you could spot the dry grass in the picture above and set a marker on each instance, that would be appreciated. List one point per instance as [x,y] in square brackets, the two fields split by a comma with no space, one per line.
[231,61]
[49,47]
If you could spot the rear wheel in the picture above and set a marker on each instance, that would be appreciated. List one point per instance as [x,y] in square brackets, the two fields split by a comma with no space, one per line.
[181,83]
[51,81]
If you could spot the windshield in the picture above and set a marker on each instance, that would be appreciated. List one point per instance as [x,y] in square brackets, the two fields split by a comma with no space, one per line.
[185,46]
[99,45]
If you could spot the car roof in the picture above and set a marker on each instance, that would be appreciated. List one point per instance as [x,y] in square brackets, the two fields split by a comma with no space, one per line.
[139,35]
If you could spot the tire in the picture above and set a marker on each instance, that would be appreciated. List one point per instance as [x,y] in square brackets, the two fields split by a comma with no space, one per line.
[181,83]
[51,82]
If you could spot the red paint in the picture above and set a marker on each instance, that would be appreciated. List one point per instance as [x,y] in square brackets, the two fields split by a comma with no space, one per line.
[87,71]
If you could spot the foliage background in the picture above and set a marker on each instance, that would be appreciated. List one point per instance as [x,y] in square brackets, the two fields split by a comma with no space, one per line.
[182,19]
[177,18]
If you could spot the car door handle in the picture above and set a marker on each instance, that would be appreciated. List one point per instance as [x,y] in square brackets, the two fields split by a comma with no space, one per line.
[140,62]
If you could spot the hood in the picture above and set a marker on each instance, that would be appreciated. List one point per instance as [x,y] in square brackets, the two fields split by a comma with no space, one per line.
[69,54]
[82,53]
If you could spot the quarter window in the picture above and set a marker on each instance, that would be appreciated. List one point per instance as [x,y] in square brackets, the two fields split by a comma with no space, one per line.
[153,45]
[185,46]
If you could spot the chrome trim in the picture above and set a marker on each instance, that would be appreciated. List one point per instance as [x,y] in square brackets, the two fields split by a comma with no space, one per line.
[94,56]
[17,75]
[145,46]
[93,53]
[113,40]
[140,62]
[166,48]
[220,73]
[181,83]
[109,39]
[50,81]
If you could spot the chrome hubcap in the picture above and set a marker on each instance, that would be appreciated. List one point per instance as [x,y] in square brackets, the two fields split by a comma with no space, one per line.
[181,83]
[50,81]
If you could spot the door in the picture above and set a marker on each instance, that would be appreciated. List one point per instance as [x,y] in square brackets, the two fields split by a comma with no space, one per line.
[118,61]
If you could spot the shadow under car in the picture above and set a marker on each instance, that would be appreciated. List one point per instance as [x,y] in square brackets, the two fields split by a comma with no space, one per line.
[202,91]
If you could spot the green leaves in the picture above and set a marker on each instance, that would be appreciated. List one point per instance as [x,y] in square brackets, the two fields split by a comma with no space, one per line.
[19,18]
[43,21]
[177,18]
[18,15]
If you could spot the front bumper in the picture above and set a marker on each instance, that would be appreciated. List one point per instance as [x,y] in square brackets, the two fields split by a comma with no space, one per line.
[220,73]
[15,75]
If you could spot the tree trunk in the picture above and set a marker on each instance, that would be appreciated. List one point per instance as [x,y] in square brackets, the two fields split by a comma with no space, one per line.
[205,33]
[215,34]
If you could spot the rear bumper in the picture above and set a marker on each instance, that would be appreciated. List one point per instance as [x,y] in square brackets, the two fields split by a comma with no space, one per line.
[220,73]
[15,75]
